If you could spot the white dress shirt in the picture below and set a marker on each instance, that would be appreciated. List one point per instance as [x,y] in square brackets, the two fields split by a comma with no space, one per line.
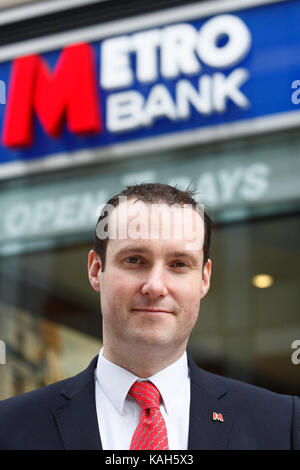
[119,414]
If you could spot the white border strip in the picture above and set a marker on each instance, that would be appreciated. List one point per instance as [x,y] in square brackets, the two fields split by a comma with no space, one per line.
[25,12]
[118,27]
[216,133]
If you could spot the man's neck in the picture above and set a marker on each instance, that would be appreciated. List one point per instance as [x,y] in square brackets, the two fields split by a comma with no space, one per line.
[143,362]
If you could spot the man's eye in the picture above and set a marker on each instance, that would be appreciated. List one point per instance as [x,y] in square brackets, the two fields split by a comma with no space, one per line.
[133,260]
[180,264]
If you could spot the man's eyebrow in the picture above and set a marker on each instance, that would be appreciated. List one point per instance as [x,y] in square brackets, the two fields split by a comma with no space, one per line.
[184,254]
[143,250]
[128,249]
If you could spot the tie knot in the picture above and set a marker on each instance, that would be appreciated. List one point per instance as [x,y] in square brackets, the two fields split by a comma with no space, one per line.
[146,394]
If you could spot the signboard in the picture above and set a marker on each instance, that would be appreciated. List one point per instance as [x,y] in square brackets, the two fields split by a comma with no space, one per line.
[168,83]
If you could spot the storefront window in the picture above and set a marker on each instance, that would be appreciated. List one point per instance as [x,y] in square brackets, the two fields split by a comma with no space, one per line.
[50,316]
[244,331]
[51,323]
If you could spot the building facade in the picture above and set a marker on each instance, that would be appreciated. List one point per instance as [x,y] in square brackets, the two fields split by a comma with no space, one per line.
[94,98]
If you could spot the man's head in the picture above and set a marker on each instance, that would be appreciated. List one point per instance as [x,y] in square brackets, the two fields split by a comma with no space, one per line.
[152,193]
[150,287]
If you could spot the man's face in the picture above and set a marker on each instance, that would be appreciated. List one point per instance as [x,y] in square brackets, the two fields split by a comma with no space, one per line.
[150,290]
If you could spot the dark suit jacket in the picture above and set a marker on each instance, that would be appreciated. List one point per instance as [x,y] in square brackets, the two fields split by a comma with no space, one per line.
[63,415]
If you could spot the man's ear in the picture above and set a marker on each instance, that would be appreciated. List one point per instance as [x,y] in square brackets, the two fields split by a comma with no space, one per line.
[94,267]
[206,278]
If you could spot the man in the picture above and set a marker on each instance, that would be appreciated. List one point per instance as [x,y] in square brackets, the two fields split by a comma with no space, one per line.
[150,265]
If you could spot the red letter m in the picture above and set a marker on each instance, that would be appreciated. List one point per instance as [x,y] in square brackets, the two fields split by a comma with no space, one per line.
[217,417]
[71,91]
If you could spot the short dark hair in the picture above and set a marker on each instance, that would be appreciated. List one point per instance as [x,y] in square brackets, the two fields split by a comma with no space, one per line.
[152,193]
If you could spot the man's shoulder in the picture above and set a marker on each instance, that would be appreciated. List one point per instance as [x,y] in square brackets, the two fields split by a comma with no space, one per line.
[50,396]
[37,397]
[260,418]
[28,421]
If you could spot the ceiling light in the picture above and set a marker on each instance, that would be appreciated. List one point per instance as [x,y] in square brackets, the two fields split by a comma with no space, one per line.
[262,281]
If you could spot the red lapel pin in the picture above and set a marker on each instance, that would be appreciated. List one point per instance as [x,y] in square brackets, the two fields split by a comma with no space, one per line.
[218,417]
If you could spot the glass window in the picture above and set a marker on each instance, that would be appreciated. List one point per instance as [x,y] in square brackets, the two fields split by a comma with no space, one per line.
[244,331]
[51,323]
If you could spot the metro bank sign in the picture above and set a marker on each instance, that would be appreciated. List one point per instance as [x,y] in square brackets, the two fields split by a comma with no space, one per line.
[71,89]
[188,81]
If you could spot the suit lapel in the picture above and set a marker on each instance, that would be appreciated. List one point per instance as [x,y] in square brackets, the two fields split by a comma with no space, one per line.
[208,396]
[77,418]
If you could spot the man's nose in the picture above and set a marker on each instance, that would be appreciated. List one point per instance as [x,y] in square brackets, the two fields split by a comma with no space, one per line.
[155,284]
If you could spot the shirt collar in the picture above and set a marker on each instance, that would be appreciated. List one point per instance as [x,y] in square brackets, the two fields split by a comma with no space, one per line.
[115,381]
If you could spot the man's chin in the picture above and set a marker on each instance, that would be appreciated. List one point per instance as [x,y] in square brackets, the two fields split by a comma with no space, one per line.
[149,338]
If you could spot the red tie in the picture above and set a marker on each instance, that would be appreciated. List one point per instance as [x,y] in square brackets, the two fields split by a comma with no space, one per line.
[151,432]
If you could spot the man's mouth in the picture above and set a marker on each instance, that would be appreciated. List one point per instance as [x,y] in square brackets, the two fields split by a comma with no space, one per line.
[151,310]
